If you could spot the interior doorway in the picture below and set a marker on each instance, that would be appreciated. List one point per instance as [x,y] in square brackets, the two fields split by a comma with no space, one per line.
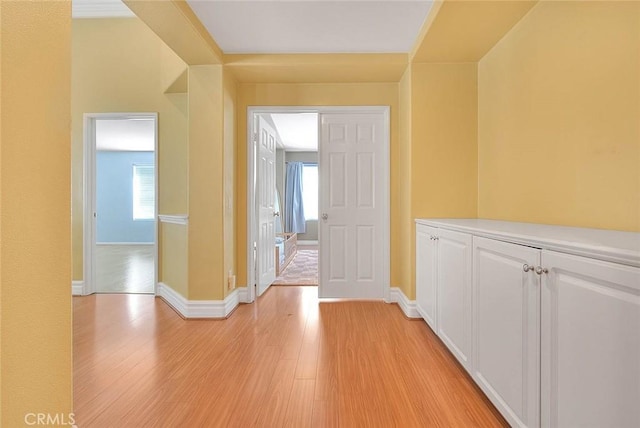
[120,253]
[286,199]
[352,212]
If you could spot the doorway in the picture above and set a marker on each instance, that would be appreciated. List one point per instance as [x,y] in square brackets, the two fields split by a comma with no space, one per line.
[120,254]
[353,200]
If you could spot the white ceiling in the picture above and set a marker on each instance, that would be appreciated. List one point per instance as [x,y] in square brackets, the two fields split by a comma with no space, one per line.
[298,131]
[132,135]
[100,9]
[296,26]
[311,26]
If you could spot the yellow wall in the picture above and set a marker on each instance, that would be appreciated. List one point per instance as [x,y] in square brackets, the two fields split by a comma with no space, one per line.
[325,94]
[206,183]
[119,65]
[230,98]
[401,220]
[35,231]
[444,140]
[175,257]
[559,109]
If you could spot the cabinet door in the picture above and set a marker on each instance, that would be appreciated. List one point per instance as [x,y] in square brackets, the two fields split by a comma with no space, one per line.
[506,333]
[426,253]
[590,343]
[454,293]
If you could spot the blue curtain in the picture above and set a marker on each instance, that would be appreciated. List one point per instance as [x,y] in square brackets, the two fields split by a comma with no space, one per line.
[294,210]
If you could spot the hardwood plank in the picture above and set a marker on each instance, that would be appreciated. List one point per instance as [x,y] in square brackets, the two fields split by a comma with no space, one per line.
[300,407]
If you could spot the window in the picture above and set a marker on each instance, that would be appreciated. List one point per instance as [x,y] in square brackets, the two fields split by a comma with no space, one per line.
[310,191]
[144,195]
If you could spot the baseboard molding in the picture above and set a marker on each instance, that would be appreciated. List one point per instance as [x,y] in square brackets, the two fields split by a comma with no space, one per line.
[408,307]
[243,294]
[124,243]
[77,288]
[199,308]
[303,243]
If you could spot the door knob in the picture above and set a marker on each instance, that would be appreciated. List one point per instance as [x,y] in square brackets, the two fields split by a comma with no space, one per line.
[325,216]
[540,270]
[527,268]
[276,213]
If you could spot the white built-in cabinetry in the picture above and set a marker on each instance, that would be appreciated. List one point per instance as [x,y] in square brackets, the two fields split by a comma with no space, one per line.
[545,319]
[426,259]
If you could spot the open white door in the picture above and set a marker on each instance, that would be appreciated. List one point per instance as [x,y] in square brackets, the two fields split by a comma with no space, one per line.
[265,200]
[354,207]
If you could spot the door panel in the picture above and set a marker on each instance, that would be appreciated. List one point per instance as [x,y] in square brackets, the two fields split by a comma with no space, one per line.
[454,293]
[590,342]
[266,187]
[426,274]
[506,328]
[354,170]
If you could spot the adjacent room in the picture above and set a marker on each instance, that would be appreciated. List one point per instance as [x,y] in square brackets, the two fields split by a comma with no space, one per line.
[297,194]
[125,205]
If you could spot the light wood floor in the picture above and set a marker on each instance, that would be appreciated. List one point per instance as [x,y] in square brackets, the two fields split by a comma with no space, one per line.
[125,268]
[285,361]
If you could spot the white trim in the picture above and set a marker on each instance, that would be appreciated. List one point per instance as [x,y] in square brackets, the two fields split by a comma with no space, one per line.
[89,202]
[243,294]
[303,243]
[251,232]
[182,219]
[199,308]
[124,243]
[408,307]
[77,288]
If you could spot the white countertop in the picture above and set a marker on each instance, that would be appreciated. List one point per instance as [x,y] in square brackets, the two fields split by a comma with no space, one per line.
[609,245]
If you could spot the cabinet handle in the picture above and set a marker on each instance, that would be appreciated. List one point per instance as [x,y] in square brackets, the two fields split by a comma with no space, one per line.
[527,268]
[540,270]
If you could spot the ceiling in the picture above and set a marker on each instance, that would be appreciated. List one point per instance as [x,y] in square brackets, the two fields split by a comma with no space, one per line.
[132,135]
[296,26]
[308,26]
[298,131]
[100,9]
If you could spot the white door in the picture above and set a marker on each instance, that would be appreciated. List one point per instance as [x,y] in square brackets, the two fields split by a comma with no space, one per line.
[454,293]
[590,341]
[354,206]
[506,329]
[426,273]
[265,201]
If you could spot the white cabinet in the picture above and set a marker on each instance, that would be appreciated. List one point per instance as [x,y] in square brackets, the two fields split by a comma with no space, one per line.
[545,318]
[426,257]
[443,287]
[506,333]
[454,293]
[590,343]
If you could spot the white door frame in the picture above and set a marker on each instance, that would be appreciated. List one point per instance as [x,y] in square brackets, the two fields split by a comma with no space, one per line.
[252,112]
[89,202]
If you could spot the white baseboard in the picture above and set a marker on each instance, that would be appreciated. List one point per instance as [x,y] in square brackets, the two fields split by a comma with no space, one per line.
[303,243]
[199,308]
[77,288]
[124,243]
[408,307]
[243,294]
